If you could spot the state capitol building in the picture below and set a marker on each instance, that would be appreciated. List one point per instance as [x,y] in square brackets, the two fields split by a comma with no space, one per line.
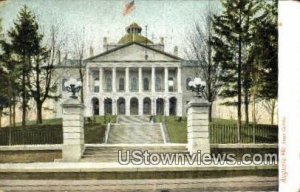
[134,76]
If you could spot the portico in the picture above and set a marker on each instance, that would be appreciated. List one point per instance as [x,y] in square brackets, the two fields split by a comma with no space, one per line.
[134,90]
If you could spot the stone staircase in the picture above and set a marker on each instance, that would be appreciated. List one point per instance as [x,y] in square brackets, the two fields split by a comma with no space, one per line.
[131,133]
[135,130]
[133,119]
[109,153]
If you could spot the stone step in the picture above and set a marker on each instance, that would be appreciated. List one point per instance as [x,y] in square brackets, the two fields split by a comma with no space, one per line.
[110,153]
[134,132]
[133,118]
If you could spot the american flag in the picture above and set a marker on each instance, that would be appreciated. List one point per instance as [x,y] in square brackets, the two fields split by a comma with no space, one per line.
[128,8]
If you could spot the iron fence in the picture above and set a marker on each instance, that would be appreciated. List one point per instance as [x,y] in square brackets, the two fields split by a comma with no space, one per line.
[223,133]
[31,135]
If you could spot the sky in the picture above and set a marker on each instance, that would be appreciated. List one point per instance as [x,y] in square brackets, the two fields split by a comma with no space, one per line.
[171,19]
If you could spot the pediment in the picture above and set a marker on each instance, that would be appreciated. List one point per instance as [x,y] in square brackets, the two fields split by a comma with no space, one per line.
[133,52]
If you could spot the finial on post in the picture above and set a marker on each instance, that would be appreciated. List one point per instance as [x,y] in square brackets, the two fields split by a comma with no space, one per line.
[73,86]
[197,85]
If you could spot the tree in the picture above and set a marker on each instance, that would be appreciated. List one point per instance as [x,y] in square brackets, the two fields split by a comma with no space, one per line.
[4,99]
[25,42]
[200,52]
[264,53]
[11,66]
[231,43]
[79,50]
[40,80]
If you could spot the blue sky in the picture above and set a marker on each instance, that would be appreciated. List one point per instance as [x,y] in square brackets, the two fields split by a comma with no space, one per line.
[171,19]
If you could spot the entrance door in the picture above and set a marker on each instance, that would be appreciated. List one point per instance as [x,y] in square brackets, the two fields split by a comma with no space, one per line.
[121,106]
[134,106]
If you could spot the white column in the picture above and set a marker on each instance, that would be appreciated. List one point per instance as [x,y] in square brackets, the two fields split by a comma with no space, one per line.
[166,80]
[167,107]
[100,79]
[179,80]
[153,107]
[141,106]
[153,79]
[140,80]
[114,79]
[127,106]
[114,107]
[101,106]
[127,79]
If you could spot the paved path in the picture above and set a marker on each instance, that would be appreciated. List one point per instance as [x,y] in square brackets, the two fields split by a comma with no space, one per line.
[250,183]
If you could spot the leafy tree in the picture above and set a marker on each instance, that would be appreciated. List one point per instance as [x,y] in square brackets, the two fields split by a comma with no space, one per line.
[264,55]
[10,65]
[231,45]
[4,98]
[25,42]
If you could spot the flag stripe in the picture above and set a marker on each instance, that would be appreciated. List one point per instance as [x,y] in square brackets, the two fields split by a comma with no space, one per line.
[129,7]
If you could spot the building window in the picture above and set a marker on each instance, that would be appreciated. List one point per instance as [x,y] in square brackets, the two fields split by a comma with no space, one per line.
[158,84]
[171,84]
[96,85]
[133,84]
[108,84]
[187,83]
[63,84]
[146,84]
[121,84]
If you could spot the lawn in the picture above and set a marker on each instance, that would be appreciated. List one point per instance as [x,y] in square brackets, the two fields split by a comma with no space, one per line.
[221,131]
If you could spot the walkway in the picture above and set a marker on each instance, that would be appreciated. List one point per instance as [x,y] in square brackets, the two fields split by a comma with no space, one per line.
[247,183]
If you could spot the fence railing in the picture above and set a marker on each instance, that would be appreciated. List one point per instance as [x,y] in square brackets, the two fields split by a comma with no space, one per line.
[31,135]
[222,133]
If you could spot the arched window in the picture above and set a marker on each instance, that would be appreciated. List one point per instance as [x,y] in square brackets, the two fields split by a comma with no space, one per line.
[133,84]
[108,84]
[158,84]
[146,84]
[187,83]
[121,84]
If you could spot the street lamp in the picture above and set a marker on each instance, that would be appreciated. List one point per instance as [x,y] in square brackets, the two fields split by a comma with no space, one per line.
[73,86]
[197,85]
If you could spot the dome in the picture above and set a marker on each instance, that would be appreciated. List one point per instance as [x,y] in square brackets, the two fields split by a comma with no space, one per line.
[134,38]
[134,35]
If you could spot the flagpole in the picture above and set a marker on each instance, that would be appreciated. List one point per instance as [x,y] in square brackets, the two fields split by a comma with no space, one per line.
[146,55]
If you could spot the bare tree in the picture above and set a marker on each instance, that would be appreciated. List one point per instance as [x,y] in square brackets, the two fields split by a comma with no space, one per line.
[40,81]
[200,52]
[79,52]
[270,106]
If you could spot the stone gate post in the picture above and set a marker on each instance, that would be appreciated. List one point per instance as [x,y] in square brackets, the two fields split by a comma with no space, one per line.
[73,130]
[198,126]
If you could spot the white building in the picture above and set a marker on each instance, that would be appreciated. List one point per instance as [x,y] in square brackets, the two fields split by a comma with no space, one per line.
[133,77]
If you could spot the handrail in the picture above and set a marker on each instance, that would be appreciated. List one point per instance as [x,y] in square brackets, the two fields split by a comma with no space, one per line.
[164,133]
[107,132]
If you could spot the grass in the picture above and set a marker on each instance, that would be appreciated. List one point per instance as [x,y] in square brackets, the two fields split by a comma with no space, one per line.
[221,131]
[177,129]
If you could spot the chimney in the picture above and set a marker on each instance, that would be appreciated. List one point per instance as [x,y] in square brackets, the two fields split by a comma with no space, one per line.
[105,44]
[161,40]
[91,51]
[176,51]
[58,57]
